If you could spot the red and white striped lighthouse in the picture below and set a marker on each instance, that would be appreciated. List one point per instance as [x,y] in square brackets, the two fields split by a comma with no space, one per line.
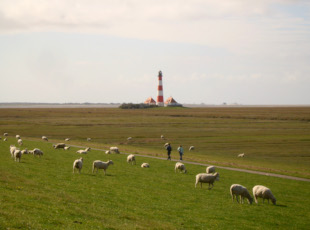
[160,94]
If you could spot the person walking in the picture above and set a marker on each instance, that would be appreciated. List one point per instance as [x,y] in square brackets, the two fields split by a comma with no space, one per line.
[169,149]
[181,152]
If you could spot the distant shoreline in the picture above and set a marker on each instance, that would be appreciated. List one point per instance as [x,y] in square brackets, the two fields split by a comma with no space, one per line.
[116,105]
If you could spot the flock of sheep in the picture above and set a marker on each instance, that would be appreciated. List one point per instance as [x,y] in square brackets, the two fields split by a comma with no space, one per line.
[236,190]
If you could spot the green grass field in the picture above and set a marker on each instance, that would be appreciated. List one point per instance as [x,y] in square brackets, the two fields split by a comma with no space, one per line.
[43,193]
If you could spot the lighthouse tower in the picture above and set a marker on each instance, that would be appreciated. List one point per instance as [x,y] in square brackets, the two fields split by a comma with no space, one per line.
[160,94]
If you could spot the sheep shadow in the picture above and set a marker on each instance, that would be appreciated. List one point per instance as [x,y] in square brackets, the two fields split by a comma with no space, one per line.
[281,206]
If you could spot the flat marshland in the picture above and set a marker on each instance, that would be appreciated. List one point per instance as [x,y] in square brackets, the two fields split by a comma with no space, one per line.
[43,193]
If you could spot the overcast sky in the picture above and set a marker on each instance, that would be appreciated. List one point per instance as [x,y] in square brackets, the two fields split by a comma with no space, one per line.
[233,51]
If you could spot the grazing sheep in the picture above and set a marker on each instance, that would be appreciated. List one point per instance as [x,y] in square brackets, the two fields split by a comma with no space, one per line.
[5,139]
[131,159]
[101,165]
[239,190]
[36,152]
[67,139]
[191,148]
[114,150]
[44,138]
[108,152]
[25,151]
[17,155]
[263,192]
[180,167]
[241,155]
[5,134]
[210,169]
[145,165]
[88,139]
[207,178]
[78,164]
[20,142]
[59,146]
[66,147]
[83,151]
[17,136]
[162,137]
[12,150]
[129,138]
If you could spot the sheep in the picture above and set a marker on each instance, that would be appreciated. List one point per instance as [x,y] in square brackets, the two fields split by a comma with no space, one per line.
[20,142]
[114,150]
[162,137]
[108,152]
[207,178]
[78,164]
[131,159]
[129,138]
[101,165]
[5,139]
[5,134]
[44,138]
[25,151]
[36,152]
[66,147]
[145,165]
[191,148]
[239,190]
[180,167]
[12,150]
[241,155]
[210,169]
[88,139]
[263,192]
[17,155]
[59,146]
[83,151]
[67,139]
[17,136]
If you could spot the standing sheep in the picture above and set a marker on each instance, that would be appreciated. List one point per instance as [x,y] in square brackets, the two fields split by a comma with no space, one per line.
[207,178]
[78,164]
[67,139]
[5,139]
[88,139]
[239,190]
[83,151]
[44,138]
[17,155]
[101,165]
[263,192]
[241,155]
[12,149]
[114,150]
[20,142]
[131,159]
[59,146]
[180,167]
[191,148]
[36,152]
[17,136]
[210,169]
[5,134]
[25,151]
[145,165]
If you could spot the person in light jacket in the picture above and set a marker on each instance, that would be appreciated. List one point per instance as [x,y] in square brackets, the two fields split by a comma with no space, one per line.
[181,151]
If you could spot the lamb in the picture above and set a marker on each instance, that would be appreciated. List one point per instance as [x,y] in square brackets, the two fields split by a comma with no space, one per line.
[83,151]
[191,148]
[241,155]
[44,138]
[78,164]
[20,142]
[59,146]
[5,134]
[239,190]
[66,147]
[210,169]
[180,167]
[101,165]
[17,136]
[207,178]
[131,159]
[145,165]
[17,155]
[25,151]
[36,152]
[263,192]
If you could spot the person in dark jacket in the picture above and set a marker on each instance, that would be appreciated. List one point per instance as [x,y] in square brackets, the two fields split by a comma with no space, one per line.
[169,149]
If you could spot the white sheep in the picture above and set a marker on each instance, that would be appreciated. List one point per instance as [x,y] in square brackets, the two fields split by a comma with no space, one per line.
[59,146]
[108,152]
[129,138]
[263,192]
[20,142]
[210,169]
[36,152]
[44,138]
[114,150]
[66,147]
[67,139]
[5,134]
[180,167]
[237,190]
[88,139]
[17,155]
[131,159]
[12,149]
[25,151]
[191,148]
[83,151]
[17,136]
[162,137]
[241,155]
[5,139]
[101,165]
[78,164]
[145,165]
[207,178]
